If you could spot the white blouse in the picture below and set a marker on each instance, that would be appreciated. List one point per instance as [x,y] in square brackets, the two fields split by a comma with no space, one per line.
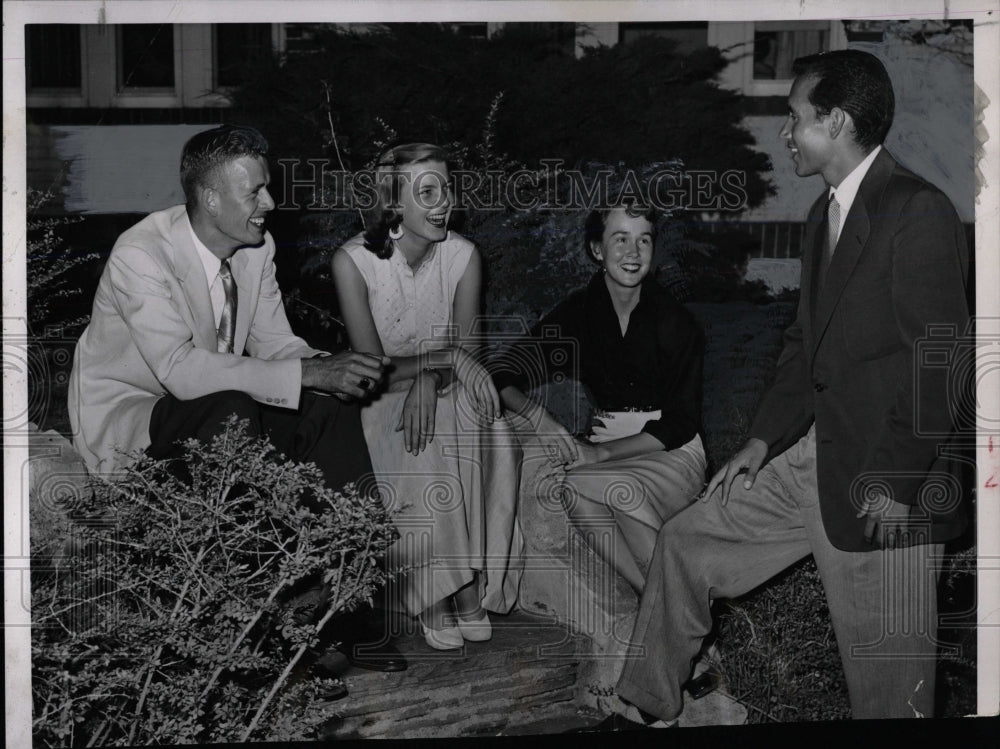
[413,310]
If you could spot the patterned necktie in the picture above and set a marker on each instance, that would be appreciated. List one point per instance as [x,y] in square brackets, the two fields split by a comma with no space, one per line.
[832,228]
[227,323]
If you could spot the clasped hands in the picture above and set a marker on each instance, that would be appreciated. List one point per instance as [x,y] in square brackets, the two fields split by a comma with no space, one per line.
[885,519]
[349,374]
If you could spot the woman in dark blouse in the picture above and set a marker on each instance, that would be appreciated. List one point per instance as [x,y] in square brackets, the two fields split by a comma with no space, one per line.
[639,354]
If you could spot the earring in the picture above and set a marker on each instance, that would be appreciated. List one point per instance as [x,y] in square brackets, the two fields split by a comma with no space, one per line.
[396,232]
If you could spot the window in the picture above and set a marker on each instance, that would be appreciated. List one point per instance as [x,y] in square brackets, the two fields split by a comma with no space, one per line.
[472,30]
[776,45]
[145,57]
[688,36]
[761,53]
[53,58]
[238,48]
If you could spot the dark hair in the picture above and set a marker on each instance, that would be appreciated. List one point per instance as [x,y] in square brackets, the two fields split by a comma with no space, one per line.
[597,221]
[205,152]
[385,214]
[858,83]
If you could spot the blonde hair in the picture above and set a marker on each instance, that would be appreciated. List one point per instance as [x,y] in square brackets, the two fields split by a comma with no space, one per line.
[386,215]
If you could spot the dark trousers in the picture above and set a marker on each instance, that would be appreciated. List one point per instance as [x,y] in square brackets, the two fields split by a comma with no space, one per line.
[323,430]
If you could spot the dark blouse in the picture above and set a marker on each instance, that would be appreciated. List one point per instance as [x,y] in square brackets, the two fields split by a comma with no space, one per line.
[656,364]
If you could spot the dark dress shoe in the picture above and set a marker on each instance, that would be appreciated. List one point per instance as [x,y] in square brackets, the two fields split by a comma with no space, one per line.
[373,656]
[612,723]
[332,693]
[363,637]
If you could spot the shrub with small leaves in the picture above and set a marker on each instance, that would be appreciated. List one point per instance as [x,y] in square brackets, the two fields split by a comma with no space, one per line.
[175,623]
[52,268]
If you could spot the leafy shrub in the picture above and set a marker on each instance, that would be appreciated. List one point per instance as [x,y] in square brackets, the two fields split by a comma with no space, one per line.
[179,618]
[50,269]
[630,103]
[711,267]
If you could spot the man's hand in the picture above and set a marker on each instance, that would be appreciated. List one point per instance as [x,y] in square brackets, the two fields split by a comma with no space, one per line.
[349,374]
[886,520]
[416,422]
[748,460]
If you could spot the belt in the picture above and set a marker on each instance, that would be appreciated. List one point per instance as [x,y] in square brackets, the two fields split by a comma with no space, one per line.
[626,409]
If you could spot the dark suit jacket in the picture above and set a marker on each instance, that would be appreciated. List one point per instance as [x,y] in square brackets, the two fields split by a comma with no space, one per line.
[855,360]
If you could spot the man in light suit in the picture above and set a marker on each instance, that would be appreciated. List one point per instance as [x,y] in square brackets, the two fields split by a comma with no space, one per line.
[845,457]
[188,328]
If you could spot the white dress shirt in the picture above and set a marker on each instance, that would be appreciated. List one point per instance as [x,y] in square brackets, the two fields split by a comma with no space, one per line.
[211,264]
[847,190]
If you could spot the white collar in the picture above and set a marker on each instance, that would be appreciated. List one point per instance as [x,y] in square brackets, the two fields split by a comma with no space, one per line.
[209,262]
[847,190]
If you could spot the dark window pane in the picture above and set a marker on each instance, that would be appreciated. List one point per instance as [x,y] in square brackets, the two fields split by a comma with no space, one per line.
[146,56]
[689,36]
[239,46]
[53,56]
[473,30]
[775,50]
[548,37]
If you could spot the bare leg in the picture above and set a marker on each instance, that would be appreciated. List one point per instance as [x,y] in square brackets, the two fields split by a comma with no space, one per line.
[467,602]
[438,615]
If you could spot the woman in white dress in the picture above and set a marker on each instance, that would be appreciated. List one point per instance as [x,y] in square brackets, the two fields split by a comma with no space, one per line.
[445,459]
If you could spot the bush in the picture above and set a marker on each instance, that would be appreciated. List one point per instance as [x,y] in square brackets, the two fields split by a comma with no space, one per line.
[629,103]
[179,620]
[712,267]
[51,270]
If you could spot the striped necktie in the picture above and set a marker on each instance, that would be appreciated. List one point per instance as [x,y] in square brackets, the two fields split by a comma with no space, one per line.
[830,243]
[227,323]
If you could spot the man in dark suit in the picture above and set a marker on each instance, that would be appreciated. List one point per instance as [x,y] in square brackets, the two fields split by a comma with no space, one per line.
[845,457]
[188,328]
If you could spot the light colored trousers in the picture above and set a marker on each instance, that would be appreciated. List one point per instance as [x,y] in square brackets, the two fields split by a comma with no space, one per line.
[883,603]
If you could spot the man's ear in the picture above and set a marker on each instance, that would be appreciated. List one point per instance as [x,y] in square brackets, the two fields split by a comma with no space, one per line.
[837,120]
[208,198]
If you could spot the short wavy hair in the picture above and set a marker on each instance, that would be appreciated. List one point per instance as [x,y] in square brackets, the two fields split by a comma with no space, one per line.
[206,152]
[385,215]
[597,222]
[856,82]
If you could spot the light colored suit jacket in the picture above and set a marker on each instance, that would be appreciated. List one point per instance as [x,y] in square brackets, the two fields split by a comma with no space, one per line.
[152,332]
[853,360]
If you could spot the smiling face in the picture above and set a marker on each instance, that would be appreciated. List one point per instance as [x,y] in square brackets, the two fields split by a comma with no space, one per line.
[425,202]
[807,132]
[626,248]
[236,204]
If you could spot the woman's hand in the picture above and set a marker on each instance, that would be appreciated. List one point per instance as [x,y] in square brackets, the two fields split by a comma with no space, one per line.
[587,454]
[417,420]
[478,384]
[558,444]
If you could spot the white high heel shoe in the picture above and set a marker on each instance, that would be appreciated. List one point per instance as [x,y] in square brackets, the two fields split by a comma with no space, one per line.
[476,630]
[449,638]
